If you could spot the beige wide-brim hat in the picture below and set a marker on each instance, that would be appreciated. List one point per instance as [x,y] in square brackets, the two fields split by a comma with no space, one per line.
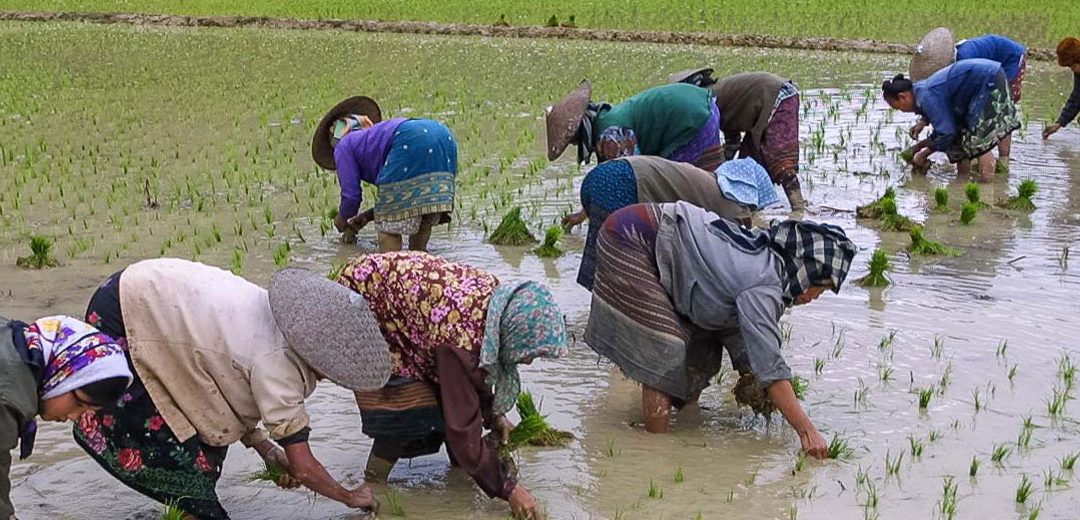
[683,75]
[331,328]
[564,117]
[934,52]
[322,150]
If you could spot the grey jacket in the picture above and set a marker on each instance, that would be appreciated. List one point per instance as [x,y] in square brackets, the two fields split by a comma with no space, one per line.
[18,405]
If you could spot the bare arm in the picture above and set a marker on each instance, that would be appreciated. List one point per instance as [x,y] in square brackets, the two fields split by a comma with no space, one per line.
[304,467]
[783,397]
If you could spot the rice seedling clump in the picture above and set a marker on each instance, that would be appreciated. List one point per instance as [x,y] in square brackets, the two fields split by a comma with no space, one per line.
[533,428]
[512,231]
[550,249]
[879,265]
[920,245]
[1022,200]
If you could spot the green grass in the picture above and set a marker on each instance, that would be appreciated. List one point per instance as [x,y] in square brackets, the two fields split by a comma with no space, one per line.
[1033,23]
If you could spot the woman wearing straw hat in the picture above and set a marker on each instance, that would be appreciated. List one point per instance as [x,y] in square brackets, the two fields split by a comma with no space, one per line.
[937,50]
[214,356]
[675,282]
[457,335]
[1068,55]
[968,105]
[55,368]
[760,119]
[413,163]
[734,191]
[679,122]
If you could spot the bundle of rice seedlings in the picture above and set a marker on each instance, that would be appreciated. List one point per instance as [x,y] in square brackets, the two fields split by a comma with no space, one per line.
[971,191]
[512,231]
[270,473]
[922,246]
[968,212]
[907,155]
[1022,200]
[941,199]
[533,428]
[879,265]
[800,385]
[551,237]
[173,512]
[873,210]
[891,219]
[40,254]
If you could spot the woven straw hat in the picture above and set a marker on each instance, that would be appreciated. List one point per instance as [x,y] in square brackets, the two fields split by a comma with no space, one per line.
[683,75]
[321,148]
[934,52]
[331,328]
[564,117]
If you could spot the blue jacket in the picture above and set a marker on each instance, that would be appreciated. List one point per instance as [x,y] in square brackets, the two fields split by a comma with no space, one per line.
[954,97]
[993,47]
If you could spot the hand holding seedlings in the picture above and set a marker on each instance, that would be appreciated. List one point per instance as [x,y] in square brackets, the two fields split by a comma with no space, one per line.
[569,222]
[502,428]
[524,505]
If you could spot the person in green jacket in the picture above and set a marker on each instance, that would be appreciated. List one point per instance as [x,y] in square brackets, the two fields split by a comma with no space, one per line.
[57,368]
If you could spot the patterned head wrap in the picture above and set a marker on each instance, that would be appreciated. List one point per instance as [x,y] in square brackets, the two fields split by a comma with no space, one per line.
[813,254]
[584,139]
[523,323]
[65,354]
[347,124]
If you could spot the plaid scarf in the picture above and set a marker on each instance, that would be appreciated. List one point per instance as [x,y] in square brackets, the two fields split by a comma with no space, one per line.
[813,254]
[584,138]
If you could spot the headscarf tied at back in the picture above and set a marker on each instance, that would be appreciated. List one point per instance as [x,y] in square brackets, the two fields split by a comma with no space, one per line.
[65,354]
[523,323]
[813,254]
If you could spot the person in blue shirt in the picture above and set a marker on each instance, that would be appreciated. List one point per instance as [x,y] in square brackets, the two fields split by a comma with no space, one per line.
[969,106]
[937,50]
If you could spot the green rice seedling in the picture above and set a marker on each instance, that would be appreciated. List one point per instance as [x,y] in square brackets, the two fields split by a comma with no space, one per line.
[819,365]
[793,513]
[941,199]
[800,463]
[1068,462]
[886,342]
[862,395]
[973,469]
[1034,511]
[335,271]
[874,209]
[1003,348]
[916,446]
[1000,453]
[972,194]
[269,473]
[533,429]
[237,267]
[879,266]
[173,512]
[550,249]
[839,448]
[40,254]
[655,491]
[870,488]
[885,373]
[1055,406]
[968,212]
[1067,372]
[1052,479]
[800,385]
[281,255]
[924,397]
[785,332]
[1022,200]
[907,155]
[946,379]
[512,231]
[679,476]
[934,435]
[938,348]
[1023,490]
[920,245]
[1023,440]
[611,451]
[861,476]
[892,220]
[393,503]
[947,505]
[892,465]
[730,496]
[838,345]
[976,396]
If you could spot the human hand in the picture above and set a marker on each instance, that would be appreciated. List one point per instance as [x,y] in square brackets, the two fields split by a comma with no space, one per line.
[524,505]
[341,223]
[569,222]
[276,457]
[813,443]
[921,159]
[917,129]
[1050,130]
[362,498]
[358,222]
[502,428]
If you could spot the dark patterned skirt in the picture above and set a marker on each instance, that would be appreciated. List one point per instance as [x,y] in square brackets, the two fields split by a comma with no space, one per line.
[997,121]
[403,418]
[704,151]
[133,443]
[632,321]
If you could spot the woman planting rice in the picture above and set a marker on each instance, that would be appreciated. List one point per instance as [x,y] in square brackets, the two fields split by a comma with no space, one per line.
[937,50]
[1068,55]
[456,335]
[679,122]
[760,120]
[969,107]
[213,356]
[736,189]
[57,368]
[675,282]
[413,162]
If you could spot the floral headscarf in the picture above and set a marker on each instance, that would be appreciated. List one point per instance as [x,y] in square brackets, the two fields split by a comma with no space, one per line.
[65,354]
[523,323]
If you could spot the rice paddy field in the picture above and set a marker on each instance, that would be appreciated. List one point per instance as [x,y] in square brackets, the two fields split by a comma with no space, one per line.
[1036,23]
[948,393]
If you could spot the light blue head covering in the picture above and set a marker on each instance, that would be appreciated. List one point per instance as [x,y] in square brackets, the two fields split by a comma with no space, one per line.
[746,182]
[523,323]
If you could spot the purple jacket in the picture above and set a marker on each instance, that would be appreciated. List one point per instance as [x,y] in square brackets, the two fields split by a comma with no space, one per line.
[359,157]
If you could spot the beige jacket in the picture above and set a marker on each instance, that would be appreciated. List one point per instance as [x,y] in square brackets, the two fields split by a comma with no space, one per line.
[210,354]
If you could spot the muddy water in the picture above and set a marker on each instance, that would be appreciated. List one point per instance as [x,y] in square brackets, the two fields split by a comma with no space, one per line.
[1009,286]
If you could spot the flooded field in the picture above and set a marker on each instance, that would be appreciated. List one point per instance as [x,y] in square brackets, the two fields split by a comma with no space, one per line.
[214,126]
